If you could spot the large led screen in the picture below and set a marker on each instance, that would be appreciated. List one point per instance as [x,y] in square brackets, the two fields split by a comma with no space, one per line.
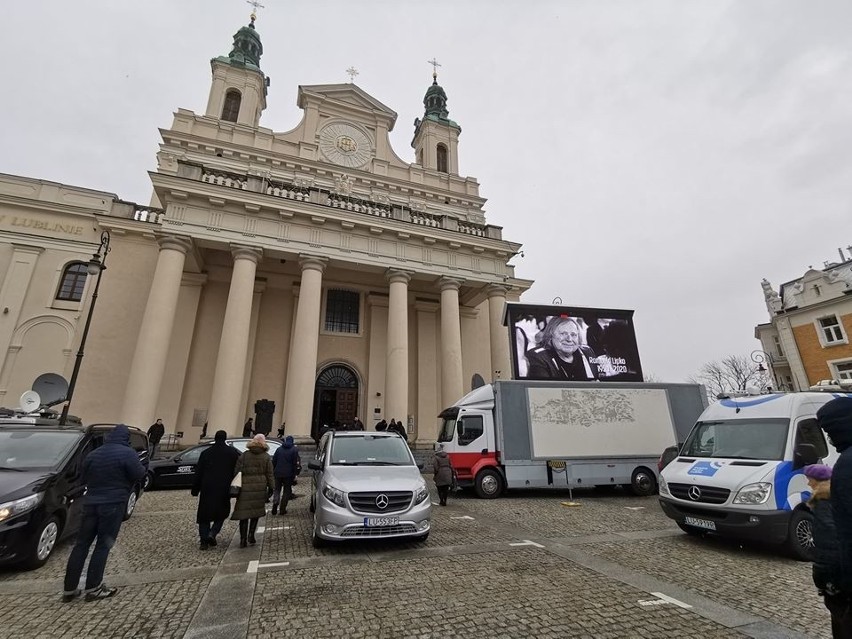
[573,343]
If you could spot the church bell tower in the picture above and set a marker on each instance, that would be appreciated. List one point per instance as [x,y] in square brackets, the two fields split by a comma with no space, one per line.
[436,137]
[238,91]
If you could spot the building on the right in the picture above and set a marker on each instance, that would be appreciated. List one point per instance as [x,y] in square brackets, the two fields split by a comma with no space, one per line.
[807,337]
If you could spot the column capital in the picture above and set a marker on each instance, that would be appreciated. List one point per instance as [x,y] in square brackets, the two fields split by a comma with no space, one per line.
[496,290]
[242,252]
[313,263]
[395,275]
[449,284]
[179,243]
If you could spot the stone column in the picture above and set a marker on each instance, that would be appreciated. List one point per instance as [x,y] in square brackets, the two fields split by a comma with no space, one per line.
[152,344]
[396,369]
[499,334]
[428,405]
[452,385]
[302,371]
[225,412]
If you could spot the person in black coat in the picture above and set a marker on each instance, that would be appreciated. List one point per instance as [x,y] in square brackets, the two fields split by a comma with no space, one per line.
[285,467]
[213,476]
[835,418]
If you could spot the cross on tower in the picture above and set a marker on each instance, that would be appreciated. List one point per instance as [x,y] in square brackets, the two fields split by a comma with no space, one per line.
[351,72]
[255,6]
[435,64]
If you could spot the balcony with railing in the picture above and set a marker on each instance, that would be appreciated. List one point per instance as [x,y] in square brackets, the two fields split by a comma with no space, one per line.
[340,199]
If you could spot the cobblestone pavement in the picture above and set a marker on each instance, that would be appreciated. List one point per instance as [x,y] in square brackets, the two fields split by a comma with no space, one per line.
[525,565]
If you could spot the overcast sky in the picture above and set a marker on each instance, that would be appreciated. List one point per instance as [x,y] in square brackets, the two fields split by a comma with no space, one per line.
[656,155]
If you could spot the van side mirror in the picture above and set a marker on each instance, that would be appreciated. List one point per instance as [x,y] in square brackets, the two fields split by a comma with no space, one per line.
[804,455]
[421,466]
[315,464]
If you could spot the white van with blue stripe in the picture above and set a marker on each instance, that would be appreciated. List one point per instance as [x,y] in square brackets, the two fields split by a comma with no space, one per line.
[739,473]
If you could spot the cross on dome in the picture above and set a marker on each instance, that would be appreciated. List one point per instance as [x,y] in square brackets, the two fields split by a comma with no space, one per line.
[435,64]
[255,6]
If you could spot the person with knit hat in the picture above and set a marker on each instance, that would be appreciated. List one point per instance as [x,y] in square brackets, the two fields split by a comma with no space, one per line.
[835,418]
[826,573]
[258,482]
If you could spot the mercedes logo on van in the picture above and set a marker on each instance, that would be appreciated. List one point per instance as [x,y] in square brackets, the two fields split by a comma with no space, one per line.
[694,493]
[382,501]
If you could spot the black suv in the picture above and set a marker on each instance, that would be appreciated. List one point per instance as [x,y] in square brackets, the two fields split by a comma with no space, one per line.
[41,482]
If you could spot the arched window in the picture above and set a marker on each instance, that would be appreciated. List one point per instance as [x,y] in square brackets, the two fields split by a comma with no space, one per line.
[442,159]
[73,282]
[231,110]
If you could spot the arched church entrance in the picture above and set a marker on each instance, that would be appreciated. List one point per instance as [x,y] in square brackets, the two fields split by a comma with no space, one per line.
[335,398]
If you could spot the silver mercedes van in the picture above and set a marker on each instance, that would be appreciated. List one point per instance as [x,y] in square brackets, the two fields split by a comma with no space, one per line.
[367,485]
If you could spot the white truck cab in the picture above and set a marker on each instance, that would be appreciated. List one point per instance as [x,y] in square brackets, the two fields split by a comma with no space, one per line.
[739,473]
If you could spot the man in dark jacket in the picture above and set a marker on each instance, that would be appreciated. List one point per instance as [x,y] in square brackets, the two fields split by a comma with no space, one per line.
[285,464]
[155,434]
[110,473]
[213,476]
[835,418]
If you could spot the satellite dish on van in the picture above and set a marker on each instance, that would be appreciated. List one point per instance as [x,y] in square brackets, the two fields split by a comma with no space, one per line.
[30,401]
[51,387]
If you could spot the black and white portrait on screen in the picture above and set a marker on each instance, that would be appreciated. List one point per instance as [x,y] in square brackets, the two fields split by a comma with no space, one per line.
[573,343]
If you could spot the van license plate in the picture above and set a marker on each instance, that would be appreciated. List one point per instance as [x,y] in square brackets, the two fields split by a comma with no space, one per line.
[700,523]
[381,521]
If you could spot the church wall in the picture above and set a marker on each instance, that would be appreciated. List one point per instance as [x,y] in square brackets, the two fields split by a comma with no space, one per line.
[171,390]
[202,359]
[476,345]
[99,395]
[377,337]
[272,350]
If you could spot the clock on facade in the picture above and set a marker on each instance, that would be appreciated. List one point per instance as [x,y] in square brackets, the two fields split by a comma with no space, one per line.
[344,145]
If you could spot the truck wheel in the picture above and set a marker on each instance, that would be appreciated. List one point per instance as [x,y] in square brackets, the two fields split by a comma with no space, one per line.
[489,484]
[643,482]
[800,538]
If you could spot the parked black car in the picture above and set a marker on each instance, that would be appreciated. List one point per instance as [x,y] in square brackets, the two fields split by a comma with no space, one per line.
[178,471]
[41,483]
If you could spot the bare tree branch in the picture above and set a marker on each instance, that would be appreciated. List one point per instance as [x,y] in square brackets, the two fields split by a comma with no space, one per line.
[734,373]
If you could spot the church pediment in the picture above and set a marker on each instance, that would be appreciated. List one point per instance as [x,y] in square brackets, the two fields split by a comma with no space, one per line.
[346,97]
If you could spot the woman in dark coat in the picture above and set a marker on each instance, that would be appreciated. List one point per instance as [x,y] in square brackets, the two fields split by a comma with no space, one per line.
[213,476]
[443,474]
[258,482]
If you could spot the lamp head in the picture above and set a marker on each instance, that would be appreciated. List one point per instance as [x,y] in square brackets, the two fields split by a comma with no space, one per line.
[95,265]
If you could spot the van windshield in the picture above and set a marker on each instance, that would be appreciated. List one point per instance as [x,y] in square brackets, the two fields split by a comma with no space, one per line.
[31,450]
[370,450]
[448,429]
[739,439]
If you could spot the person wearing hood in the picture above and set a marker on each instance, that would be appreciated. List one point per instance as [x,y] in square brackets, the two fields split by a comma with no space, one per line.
[443,469]
[258,483]
[110,472]
[213,475]
[285,465]
[835,418]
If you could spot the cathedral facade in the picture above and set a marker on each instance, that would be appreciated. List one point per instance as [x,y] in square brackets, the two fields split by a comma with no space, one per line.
[310,277]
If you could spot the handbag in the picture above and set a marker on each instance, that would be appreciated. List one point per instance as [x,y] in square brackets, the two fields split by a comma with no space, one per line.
[236,485]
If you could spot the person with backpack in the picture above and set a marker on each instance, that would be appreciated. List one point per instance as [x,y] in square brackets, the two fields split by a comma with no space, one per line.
[285,465]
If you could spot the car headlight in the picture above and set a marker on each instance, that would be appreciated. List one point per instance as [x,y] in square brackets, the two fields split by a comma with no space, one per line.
[19,506]
[333,495]
[663,486]
[754,493]
[421,494]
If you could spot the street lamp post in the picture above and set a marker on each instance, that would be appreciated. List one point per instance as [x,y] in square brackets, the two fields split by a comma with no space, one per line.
[760,358]
[95,267]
